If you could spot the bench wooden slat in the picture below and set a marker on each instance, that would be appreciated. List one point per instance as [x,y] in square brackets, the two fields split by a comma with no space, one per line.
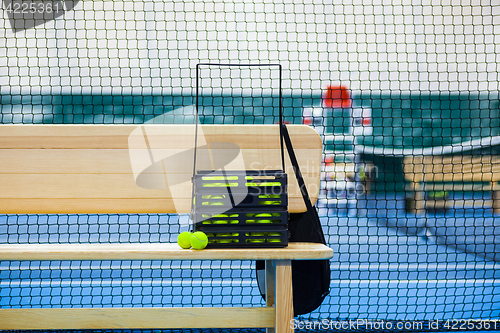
[28,136]
[82,186]
[85,161]
[99,206]
[458,176]
[136,318]
[70,168]
[158,251]
[458,187]
[459,203]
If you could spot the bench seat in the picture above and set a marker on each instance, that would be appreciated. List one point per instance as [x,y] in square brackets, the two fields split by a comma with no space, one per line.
[453,173]
[276,315]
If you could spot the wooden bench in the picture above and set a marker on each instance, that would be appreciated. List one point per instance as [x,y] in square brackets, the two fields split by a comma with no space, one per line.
[452,173]
[146,169]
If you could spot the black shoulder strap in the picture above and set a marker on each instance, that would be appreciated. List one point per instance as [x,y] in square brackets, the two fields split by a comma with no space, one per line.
[309,228]
[296,169]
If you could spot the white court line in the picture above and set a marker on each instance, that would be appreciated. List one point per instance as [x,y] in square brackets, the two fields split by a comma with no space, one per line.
[44,266]
[416,267]
[458,283]
[229,282]
[4,266]
[474,282]
[441,150]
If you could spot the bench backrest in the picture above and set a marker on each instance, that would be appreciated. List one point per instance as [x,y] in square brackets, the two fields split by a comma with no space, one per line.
[89,169]
[466,168]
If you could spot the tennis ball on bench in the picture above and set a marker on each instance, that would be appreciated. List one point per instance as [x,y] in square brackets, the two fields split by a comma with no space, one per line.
[199,240]
[184,240]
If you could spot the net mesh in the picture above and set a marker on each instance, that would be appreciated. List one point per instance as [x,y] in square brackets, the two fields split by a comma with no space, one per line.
[411,111]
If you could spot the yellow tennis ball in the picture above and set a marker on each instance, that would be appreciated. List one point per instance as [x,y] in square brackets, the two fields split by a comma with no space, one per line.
[226,238]
[274,202]
[199,240]
[264,215]
[211,239]
[184,240]
[256,240]
[274,240]
[250,220]
[235,234]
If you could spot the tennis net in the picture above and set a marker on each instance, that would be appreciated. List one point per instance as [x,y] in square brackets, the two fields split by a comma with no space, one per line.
[423,81]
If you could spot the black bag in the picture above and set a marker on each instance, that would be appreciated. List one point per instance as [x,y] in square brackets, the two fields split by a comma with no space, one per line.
[310,278]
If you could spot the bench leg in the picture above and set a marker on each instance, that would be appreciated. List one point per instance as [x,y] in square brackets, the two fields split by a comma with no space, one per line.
[419,199]
[495,198]
[414,201]
[284,296]
[270,286]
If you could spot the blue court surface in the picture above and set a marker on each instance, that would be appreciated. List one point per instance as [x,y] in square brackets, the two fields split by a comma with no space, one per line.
[388,265]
